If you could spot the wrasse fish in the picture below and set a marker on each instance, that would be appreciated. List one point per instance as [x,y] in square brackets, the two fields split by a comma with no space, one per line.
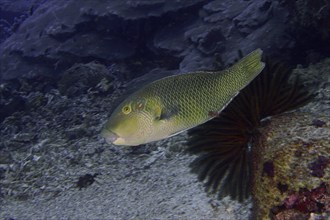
[176,103]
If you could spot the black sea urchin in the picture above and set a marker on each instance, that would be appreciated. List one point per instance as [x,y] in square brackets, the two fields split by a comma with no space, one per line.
[224,143]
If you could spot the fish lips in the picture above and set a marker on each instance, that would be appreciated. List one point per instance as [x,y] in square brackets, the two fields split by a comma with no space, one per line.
[112,138]
[109,136]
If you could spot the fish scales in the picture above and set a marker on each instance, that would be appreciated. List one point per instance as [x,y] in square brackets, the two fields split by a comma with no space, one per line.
[173,104]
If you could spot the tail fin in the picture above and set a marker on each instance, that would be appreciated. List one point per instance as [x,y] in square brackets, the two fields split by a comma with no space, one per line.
[250,65]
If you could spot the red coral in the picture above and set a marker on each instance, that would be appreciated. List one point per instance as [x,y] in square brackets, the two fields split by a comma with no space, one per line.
[315,201]
[290,201]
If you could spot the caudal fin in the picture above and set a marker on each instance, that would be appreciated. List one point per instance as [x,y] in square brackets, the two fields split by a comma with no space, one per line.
[250,65]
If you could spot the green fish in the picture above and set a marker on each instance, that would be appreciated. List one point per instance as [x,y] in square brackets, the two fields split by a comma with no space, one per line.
[174,104]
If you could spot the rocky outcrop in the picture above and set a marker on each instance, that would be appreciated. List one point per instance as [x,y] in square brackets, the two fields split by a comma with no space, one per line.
[138,36]
[292,168]
[13,13]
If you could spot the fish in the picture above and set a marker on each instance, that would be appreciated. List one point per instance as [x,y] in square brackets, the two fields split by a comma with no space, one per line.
[173,104]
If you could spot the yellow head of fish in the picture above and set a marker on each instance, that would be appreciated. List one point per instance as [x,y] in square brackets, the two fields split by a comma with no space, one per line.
[131,123]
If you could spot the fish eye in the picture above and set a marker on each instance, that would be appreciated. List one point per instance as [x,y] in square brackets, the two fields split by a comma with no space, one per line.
[126,109]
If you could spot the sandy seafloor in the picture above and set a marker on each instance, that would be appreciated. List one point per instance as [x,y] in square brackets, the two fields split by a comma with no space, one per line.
[45,150]
[158,185]
[163,190]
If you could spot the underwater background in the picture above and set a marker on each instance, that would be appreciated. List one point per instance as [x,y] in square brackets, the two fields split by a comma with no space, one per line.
[63,64]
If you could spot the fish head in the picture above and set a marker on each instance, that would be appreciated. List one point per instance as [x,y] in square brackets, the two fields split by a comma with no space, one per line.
[131,123]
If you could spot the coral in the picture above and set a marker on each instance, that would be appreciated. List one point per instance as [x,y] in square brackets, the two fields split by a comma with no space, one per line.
[299,152]
[304,202]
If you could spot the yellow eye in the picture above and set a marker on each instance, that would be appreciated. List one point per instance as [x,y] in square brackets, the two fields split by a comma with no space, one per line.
[126,109]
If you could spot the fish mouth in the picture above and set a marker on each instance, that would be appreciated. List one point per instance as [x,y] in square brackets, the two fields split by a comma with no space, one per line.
[112,138]
[109,136]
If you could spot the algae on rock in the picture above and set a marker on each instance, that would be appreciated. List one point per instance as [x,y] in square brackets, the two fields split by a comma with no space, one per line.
[292,168]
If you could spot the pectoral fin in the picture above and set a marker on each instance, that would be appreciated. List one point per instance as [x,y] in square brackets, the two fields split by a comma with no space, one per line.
[167,113]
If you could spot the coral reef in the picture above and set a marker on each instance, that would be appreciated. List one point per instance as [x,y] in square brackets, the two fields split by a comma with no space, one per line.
[291,168]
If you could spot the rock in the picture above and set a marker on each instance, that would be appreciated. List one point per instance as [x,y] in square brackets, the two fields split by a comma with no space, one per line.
[310,23]
[184,35]
[292,168]
[255,15]
[62,34]
[82,77]
[312,15]
[13,13]
[316,77]
[17,103]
